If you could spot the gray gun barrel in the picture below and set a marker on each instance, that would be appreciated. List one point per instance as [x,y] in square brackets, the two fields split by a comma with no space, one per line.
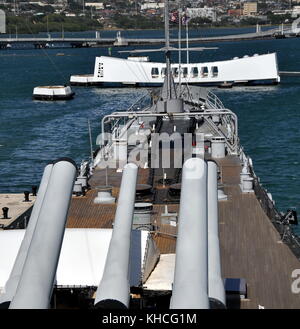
[190,287]
[14,278]
[216,291]
[114,288]
[37,279]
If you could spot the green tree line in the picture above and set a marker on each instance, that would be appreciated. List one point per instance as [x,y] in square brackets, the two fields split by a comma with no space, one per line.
[137,22]
[51,23]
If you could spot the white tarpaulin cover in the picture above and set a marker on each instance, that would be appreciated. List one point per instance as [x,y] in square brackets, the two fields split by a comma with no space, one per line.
[82,257]
[162,276]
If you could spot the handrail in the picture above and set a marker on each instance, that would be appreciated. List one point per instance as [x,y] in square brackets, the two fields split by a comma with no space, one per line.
[210,100]
[207,113]
[131,109]
[214,101]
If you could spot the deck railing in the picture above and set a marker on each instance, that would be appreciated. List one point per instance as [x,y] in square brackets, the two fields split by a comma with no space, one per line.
[213,101]
[140,103]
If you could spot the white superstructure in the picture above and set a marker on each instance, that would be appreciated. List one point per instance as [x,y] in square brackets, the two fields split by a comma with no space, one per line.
[246,69]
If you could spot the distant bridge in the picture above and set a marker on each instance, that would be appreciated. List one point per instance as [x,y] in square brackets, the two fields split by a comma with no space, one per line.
[121,41]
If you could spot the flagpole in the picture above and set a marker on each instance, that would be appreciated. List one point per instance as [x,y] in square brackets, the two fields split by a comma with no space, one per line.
[187,41]
[167,46]
[179,47]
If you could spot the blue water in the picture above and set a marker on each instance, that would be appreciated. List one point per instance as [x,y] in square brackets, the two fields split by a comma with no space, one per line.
[33,132]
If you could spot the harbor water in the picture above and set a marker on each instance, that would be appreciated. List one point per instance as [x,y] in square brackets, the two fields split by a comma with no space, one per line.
[34,132]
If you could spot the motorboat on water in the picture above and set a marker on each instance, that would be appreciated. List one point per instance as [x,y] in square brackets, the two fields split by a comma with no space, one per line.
[53,93]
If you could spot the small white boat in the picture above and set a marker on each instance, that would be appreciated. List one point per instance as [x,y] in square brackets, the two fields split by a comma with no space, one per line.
[53,93]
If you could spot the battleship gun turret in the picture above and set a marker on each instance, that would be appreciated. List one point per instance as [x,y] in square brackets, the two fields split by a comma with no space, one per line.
[114,288]
[14,278]
[216,291]
[190,287]
[38,274]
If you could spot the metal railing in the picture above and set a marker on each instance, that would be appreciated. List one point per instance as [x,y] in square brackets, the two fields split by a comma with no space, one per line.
[213,106]
[213,101]
[136,106]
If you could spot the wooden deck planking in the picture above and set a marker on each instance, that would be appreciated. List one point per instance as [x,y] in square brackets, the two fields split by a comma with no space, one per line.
[165,238]
[84,213]
[251,249]
[230,169]
[114,177]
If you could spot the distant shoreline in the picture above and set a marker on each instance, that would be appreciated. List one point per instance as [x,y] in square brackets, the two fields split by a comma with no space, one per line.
[140,30]
[191,28]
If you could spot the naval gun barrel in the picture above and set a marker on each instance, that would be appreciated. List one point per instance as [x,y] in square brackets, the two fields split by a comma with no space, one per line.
[216,291]
[114,288]
[37,279]
[15,274]
[190,287]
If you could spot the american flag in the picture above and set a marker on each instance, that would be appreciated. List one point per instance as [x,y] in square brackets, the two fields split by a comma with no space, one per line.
[185,18]
[174,17]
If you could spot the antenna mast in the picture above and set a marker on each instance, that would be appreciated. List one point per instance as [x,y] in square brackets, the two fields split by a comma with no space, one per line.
[179,44]
[167,37]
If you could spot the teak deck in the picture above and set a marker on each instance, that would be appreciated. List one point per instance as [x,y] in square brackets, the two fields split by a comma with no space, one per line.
[251,247]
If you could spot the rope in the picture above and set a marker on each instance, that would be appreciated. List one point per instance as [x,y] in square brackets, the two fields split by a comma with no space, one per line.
[51,61]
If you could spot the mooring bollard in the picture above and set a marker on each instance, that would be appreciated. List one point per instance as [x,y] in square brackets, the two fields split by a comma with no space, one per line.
[26,196]
[5,212]
[34,190]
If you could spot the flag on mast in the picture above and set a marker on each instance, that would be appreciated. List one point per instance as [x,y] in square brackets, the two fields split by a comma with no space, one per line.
[174,17]
[186,18]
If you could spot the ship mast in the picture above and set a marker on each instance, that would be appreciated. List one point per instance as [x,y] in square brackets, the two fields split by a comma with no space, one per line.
[169,101]
[168,52]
